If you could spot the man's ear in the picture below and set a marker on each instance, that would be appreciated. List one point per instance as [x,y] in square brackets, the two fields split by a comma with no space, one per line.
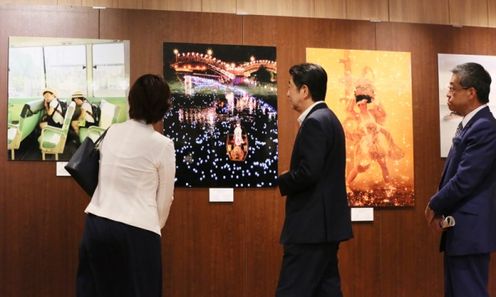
[473,94]
[305,91]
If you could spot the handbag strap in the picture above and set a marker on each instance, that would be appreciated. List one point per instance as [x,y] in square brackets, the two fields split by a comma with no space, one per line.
[97,142]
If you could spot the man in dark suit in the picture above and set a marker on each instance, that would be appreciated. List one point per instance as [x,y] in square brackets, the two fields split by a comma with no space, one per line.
[467,190]
[317,211]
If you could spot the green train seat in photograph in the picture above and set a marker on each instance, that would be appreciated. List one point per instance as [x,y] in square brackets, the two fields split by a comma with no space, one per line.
[52,139]
[28,121]
[108,116]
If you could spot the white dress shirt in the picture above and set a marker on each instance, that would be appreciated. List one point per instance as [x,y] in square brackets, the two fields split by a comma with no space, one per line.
[136,178]
[471,114]
[304,114]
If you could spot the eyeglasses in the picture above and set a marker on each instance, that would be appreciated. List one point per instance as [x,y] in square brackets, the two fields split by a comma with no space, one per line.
[452,90]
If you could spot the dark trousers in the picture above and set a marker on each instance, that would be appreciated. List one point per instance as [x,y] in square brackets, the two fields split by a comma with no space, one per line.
[119,260]
[466,276]
[309,270]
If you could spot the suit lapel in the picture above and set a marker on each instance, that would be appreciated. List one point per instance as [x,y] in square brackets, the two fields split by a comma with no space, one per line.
[484,112]
[316,107]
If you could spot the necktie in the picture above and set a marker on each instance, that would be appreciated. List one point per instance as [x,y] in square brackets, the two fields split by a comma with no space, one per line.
[459,129]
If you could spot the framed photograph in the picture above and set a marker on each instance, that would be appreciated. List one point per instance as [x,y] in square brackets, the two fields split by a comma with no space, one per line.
[371,93]
[223,119]
[62,90]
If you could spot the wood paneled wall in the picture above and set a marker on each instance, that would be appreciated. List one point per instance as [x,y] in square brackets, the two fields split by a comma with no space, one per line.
[480,13]
[226,250]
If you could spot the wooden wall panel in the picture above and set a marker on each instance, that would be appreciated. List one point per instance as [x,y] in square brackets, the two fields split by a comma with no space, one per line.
[291,41]
[486,45]
[469,12]
[69,2]
[367,10]
[232,249]
[491,13]
[464,38]
[423,44]
[223,6]
[264,216]
[179,5]
[205,244]
[101,3]
[420,11]
[131,4]
[457,12]
[134,4]
[276,7]
[40,215]
[30,2]
[332,9]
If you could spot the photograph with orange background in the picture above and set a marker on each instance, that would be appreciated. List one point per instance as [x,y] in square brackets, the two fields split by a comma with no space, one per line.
[371,93]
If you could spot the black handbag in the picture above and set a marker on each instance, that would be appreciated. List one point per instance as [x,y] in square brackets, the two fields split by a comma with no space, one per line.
[84,164]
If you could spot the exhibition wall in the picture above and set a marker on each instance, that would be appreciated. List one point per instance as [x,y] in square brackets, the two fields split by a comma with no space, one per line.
[480,13]
[229,249]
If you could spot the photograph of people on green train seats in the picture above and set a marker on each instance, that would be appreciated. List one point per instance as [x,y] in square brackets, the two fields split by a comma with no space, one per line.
[106,114]
[86,114]
[54,109]
[52,139]
[92,119]
[20,127]
[62,90]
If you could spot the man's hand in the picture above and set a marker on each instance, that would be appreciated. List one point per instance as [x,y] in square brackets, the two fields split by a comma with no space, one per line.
[436,223]
[433,220]
[429,214]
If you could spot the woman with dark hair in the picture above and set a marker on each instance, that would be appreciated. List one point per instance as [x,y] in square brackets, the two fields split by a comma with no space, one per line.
[120,252]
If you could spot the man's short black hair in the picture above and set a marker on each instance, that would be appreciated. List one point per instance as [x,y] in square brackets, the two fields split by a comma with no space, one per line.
[473,75]
[311,75]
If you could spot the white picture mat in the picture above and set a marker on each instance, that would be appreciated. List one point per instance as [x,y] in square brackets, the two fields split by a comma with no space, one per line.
[362,214]
[220,194]
[60,170]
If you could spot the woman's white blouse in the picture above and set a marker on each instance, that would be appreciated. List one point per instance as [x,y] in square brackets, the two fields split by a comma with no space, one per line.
[136,178]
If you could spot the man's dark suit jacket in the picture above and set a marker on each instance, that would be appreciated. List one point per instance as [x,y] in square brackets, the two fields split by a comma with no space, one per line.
[317,208]
[468,188]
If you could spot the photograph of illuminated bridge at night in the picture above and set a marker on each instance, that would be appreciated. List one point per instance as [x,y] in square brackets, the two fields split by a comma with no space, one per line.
[223,119]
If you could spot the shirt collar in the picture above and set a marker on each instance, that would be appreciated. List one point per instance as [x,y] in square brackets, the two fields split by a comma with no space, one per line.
[471,114]
[304,114]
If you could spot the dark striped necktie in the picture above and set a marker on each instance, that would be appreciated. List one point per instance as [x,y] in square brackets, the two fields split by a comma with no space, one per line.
[459,129]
